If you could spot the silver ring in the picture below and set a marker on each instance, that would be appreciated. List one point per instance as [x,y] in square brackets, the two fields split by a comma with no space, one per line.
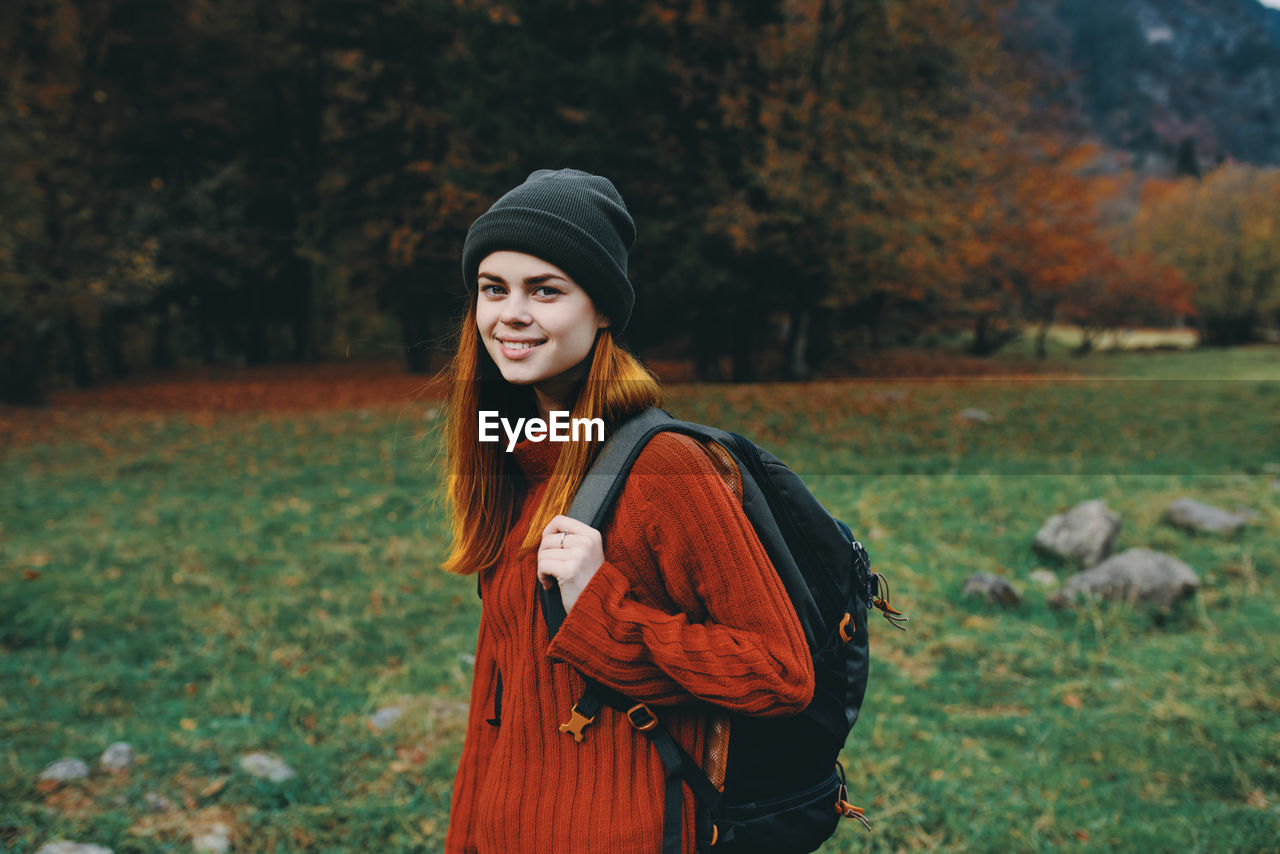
[562,536]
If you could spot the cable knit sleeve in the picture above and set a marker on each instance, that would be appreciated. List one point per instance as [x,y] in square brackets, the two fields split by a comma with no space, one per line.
[476,750]
[687,605]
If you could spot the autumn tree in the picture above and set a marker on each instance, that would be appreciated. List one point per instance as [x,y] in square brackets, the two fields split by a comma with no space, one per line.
[1223,235]
[1124,289]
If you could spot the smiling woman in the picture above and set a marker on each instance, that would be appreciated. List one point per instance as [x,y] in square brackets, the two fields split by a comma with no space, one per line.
[674,602]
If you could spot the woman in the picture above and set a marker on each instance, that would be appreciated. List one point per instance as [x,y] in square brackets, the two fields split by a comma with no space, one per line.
[674,604]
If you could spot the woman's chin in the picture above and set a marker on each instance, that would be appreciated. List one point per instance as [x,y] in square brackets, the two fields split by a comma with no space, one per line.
[518,376]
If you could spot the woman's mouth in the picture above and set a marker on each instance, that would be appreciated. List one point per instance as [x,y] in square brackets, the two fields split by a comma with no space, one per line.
[516,350]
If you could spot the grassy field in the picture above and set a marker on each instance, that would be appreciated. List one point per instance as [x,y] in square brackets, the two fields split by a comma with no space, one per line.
[204,585]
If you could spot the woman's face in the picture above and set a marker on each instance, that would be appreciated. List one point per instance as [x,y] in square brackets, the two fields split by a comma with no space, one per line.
[536,323]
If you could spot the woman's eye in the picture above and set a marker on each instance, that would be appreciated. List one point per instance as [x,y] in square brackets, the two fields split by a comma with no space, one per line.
[546,291]
[492,290]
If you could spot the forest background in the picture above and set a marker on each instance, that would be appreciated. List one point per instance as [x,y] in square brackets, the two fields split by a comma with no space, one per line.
[195,183]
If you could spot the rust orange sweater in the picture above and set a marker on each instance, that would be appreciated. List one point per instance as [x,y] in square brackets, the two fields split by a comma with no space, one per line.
[686,610]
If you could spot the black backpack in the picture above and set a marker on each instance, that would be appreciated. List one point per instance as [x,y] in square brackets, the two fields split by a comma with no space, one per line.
[784,791]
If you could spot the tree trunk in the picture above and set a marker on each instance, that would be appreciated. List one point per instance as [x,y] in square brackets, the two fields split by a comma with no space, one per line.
[161,343]
[21,372]
[207,336]
[981,342]
[109,341]
[706,344]
[987,339]
[415,327]
[257,350]
[745,341]
[796,367]
[303,345]
[872,309]
[80,370]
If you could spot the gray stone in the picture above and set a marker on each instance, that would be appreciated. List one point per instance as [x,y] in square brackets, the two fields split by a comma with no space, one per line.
[1135,576]
[64,847]
[385,717]
[1043,578]
[993,588]
[1084,535]
[1194,516]
[117,757]
[156,802]
[67,768]
[975,415]
[214,839]
[268,766]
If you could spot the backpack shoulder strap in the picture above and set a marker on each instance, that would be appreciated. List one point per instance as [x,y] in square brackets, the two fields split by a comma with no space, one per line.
[601,487]
[604,481]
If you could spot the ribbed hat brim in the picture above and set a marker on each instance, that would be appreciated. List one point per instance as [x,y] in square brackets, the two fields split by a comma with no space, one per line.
[560,242]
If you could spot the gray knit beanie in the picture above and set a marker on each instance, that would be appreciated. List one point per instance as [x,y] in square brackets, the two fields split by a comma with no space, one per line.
[569,218]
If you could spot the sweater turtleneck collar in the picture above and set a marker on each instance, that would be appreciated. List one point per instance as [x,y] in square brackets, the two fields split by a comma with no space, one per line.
[537,459]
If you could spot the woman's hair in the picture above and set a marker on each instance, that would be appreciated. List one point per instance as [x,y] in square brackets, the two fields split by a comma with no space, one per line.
[484,483]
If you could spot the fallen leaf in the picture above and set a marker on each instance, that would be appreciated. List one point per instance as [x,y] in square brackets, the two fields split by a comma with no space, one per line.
[213,788]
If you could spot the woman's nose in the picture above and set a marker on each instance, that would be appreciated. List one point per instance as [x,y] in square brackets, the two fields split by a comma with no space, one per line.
[515,309]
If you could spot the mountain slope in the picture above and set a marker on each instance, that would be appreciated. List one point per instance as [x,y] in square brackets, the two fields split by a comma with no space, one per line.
[1146,75]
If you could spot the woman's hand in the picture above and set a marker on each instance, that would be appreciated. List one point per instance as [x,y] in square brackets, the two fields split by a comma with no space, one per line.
[570,554]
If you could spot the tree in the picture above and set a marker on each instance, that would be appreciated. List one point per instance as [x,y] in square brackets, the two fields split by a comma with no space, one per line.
[1223,235]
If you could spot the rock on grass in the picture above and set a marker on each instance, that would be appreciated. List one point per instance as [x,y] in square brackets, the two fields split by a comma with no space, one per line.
[1083,535]
[67,768]
[1043,578]
[215,839]
[993,588]
[1136,577]
[1194,516]
[117,757]
[267,766]
[385,717]
[64,847]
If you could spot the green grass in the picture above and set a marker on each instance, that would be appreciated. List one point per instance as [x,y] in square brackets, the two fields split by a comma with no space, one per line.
[210,587]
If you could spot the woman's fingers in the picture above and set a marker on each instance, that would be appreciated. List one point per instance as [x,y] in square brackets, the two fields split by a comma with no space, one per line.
[569,554]
[572,527]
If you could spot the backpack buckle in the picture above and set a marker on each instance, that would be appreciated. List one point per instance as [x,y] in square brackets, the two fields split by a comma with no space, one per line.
[576,724]
[642,717]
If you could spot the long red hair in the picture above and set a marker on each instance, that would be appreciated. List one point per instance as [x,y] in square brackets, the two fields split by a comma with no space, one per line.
[484,483]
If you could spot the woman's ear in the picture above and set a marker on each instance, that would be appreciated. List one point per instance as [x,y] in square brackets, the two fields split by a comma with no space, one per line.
[603,322]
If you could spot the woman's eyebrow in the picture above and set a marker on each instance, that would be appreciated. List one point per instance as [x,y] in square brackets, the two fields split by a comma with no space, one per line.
[530,280]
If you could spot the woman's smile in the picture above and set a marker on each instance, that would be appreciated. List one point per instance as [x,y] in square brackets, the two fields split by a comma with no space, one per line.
[516,349]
